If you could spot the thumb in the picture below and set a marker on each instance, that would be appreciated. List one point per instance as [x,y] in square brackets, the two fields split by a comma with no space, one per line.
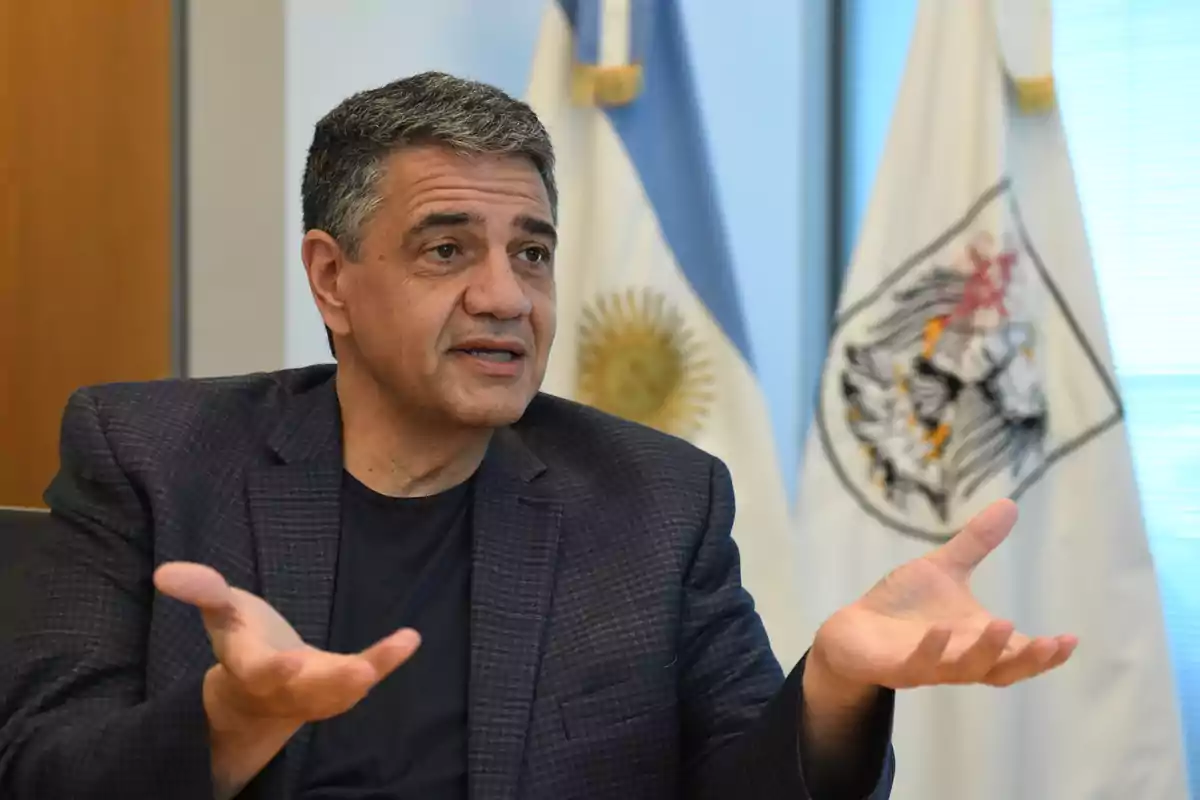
[198,585]
[389,653]
[980,536]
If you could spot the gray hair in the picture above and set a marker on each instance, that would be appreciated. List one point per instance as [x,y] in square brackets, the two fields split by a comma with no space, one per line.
[351,143]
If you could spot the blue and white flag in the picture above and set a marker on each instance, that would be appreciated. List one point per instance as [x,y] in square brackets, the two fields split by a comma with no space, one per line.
[650,322]
[970,361]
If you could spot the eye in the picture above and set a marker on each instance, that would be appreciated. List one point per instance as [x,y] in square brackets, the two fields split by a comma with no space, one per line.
[536,255]
[445,251]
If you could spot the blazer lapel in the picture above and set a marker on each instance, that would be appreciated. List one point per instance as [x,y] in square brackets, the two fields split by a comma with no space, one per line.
[296,514]
[514,553]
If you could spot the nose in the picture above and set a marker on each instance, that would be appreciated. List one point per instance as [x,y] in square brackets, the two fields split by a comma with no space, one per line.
[495,289]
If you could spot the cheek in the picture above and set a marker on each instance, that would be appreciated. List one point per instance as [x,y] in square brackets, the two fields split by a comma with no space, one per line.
[549,324]
[378,310]
[544,318]
[401,314]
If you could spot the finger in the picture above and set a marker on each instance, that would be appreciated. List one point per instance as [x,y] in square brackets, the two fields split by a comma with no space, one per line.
[1066,646]
[981,535]
[329,684]
[923,666]
[1029,661]
[267,675]
[313,684]
[1016,644]
[196,584]
[978,659]
[250,658]
[387,654]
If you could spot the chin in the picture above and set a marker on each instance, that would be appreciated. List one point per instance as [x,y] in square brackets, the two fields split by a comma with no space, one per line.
[490,412]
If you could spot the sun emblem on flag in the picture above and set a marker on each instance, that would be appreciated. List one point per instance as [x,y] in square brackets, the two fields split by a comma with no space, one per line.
[639,360]
[938,397]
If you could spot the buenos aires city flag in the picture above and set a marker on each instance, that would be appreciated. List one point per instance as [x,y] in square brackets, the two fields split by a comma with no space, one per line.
[650,321]
[970,361]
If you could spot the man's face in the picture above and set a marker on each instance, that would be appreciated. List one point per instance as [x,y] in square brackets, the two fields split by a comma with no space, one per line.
[450,301]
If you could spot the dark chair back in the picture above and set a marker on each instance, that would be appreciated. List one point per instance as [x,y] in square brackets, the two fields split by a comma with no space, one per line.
[21,531]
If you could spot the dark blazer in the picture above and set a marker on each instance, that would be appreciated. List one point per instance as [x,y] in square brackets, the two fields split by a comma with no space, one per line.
[614,653]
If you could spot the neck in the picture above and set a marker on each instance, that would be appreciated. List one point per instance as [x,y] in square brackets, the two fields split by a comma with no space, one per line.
[397,454]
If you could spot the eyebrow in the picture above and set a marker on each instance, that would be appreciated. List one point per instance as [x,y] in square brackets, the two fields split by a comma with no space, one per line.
[537,227]
[444,219]
[458,219]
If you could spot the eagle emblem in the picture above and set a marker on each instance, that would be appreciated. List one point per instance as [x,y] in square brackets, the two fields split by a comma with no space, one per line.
[940,393]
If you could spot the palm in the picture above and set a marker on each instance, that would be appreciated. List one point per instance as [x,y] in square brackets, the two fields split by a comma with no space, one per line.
[921,625]
[271,672]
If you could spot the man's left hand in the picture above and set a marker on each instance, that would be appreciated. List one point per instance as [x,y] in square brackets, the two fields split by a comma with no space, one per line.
[921,626]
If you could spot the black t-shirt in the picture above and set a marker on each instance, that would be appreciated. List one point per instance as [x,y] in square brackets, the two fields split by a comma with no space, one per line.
[402,562]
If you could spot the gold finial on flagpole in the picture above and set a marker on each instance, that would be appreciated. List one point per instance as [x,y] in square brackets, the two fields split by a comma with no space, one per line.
[618,85]
[1035,95]
[612,75]
[1025,40]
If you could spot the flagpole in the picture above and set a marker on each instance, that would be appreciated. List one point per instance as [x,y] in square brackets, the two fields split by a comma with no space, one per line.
[607,69]
[822,196]
[836,164]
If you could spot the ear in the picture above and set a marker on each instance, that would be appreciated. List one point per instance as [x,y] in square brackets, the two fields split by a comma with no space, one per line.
[323,261]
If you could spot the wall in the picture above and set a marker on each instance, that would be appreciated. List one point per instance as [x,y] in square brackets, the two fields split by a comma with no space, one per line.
[86,290]
[749,61]
[879,32]
[234,185]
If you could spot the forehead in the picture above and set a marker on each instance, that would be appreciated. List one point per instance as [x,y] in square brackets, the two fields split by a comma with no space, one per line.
[421,180]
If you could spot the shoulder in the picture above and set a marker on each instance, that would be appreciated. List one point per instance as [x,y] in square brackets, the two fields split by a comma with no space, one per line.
[568,434]
[180,415]
[615,457]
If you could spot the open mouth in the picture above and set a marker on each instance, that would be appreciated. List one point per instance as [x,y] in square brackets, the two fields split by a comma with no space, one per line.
[503,353]
[487,354]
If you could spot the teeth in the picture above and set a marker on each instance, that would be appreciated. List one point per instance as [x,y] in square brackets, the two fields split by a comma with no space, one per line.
[492,355]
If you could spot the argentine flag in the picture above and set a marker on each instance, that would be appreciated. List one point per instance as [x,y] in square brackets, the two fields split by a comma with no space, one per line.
[970,361]
[650,323]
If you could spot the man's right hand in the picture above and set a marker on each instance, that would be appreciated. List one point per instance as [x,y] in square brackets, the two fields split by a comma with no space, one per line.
[268,682]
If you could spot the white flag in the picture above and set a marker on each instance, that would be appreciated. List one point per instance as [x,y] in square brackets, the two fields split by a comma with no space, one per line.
[970,362]
[650,323]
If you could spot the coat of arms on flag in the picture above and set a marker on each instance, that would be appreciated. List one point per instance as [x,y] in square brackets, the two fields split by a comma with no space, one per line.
[934,402]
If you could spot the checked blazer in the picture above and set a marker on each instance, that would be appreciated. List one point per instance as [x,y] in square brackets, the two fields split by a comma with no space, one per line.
[614,651]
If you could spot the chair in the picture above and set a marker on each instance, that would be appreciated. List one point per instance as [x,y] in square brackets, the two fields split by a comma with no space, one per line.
[21,530]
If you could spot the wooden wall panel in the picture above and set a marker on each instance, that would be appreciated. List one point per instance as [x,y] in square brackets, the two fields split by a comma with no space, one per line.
[85,214]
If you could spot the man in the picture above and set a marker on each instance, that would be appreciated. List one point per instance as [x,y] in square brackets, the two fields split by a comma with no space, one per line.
[416,576]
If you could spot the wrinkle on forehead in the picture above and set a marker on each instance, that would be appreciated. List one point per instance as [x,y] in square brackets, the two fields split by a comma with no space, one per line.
[422,178]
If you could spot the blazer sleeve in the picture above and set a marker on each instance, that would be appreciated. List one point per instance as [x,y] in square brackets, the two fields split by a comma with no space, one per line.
[741,720]
[74,718]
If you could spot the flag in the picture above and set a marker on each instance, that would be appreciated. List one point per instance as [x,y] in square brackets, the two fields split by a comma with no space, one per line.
[650,321]
[970,361]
